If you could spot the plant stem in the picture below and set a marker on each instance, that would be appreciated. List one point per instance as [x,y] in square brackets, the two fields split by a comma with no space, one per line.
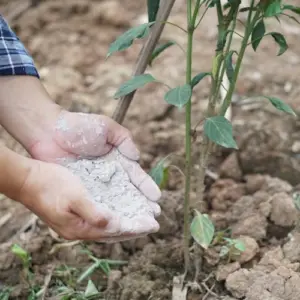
[188,140]
[248,31]
[195,14]
[206,144]
[144,56]
[220,79]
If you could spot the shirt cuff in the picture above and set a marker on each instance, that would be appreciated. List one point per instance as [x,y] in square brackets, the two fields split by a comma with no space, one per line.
[14,58]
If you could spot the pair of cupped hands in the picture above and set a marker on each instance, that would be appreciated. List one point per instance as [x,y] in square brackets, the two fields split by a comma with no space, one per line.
[59,197]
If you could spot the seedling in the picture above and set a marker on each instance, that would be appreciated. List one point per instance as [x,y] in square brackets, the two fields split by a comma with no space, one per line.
[232,249]
[296,198]
[66,274]
[217,129]
[90,293]
[102,264]
[5,293]
[24,256]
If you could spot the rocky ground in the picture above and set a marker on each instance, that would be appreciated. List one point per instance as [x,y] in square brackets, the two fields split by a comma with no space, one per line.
[250,193]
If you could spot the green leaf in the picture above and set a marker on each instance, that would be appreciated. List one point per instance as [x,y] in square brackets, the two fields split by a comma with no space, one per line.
[153,6]
[21,253]
[273,9]
[133,84]
[159,50]
[280,105]
[216,63]
[296,198]
[257,34]
[280,40]
[229,241]
[202,229]
[159,173]
[229,66]
[295,9]
[198,78]
[219,130]
[179,96]
[126,39]
[293,18]
[210,3]
[104,265]
[88,272]
[91,289]
[5,293]
[224,251]
[239,245]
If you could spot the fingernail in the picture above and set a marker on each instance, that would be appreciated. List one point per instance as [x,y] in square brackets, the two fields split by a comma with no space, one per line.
[128,148]
[150,189]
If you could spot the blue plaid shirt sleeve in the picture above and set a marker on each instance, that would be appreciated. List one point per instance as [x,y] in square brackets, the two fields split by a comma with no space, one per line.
[14,58]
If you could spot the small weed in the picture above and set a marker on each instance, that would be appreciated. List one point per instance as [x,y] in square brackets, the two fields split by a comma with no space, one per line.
[24,256]
[5,293]
[68,293]
[102,264]
[232,249]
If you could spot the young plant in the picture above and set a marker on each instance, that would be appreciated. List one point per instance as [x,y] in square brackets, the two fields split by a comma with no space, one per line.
[232,249]
[69,293]
[5,293]
[66,274]
[217,129]
[26,260]
[102,264]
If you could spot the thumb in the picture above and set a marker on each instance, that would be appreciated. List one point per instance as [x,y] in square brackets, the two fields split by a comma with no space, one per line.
[120,137]
[91,212]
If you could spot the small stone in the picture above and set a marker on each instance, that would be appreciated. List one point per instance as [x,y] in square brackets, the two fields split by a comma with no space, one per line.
[114,278]
[223,271]
[251,249]
[272,259]
[296,147]
[292,248]
[231,168]
[237,283]
[275,185]
[283,211]
[288,87]
[211,256]
[254,226]
[254,183]
[142,242]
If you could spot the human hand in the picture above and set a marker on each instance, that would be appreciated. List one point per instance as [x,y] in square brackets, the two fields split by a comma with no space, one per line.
[77,135]
[90,135]
[58,197]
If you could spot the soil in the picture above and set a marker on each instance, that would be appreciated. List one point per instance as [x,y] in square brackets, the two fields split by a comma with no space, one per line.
[249,192]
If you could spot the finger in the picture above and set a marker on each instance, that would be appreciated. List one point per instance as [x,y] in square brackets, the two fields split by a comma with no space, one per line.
[140,179]
[119,137]
[91,233]
[139,225]
[90,212]
[155,208]
[125,231]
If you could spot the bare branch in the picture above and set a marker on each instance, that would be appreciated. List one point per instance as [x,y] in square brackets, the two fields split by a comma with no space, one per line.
[144,56]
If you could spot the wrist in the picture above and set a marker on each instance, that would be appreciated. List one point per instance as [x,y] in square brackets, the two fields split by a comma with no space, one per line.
[26,110]
[15,170]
